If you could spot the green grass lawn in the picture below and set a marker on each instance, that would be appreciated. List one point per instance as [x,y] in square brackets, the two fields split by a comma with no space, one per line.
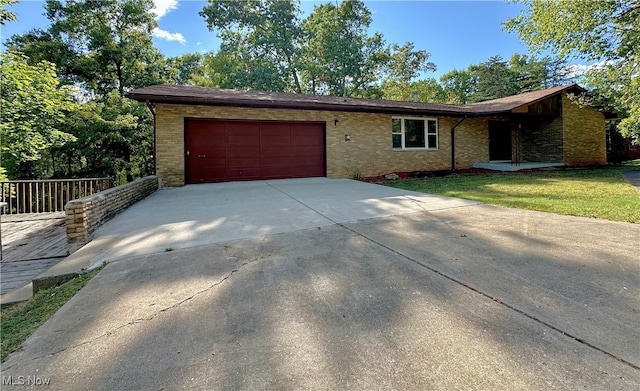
[600,193]
[19,320]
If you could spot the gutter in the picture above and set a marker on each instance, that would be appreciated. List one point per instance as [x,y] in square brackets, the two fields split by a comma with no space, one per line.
[453,143]
[275,104]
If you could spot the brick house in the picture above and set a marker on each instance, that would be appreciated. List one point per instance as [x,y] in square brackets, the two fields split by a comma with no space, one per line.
[211,135]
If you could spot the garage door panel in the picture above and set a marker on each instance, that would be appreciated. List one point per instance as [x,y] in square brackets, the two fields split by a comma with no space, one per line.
[243,173]
[215,138]
[275,151]
[243,151]
[218,173]
[278,140]
[207,151]
[241,127]
[244,162]
[275,129]
[243,140]
[276,161]
[306,172]
[277,172]
[306,161]
[248,150]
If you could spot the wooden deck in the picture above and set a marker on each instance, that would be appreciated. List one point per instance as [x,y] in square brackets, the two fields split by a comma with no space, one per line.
[31,243]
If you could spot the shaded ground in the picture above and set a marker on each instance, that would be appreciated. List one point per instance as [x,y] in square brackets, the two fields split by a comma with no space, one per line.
[475,297]
[633,177]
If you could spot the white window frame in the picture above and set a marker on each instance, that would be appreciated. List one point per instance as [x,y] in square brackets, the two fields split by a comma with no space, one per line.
[426,134]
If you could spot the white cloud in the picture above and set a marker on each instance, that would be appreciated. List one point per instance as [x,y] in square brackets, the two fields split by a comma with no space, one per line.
[162,34]
[163,7]
[578,70]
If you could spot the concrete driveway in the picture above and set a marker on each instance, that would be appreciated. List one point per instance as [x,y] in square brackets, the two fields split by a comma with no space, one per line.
[197,215]
[425,293]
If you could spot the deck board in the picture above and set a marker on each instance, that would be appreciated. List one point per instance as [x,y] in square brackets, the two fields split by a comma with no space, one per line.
[31,243]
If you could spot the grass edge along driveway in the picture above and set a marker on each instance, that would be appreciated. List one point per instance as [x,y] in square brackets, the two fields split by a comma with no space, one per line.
[597,192]
[20,320]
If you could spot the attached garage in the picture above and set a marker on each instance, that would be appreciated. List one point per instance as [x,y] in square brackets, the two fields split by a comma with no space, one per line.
[216,135]
[232,150]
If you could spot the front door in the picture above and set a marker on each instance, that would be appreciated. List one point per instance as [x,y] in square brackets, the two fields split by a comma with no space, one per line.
[499,140]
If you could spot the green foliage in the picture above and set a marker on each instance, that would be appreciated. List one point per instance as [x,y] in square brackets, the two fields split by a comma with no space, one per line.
[459,86]
[264,35]
[20,320]
[7,16]
[497,78]
[182,70]
[339,53]
[114,135]
[266,46]
[429,90]
[101,45]
[104,48]
[3,174]
[34,109]
[605,31]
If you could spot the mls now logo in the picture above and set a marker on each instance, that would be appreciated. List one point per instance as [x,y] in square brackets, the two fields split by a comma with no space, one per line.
[25,381]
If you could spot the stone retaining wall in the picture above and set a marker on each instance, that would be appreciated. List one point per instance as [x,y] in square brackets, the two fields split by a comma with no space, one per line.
[85,215]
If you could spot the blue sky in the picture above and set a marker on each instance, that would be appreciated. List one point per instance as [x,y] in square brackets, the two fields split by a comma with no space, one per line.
[456,33]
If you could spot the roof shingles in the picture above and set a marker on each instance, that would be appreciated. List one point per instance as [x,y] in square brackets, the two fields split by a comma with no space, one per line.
[226,97]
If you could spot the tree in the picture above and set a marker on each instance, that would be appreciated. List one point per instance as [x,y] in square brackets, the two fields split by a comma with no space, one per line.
[7,16]
[102,47]
[112,39]
[429,90]
[339,53]
[459,85]
[607,31]
[268,47]
[182,70]
[494,79]
[497,78]
[111,140]
[34,107]
[266,35]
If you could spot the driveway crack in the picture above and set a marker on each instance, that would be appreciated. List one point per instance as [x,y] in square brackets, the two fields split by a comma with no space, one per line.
[144,319]
[493,298]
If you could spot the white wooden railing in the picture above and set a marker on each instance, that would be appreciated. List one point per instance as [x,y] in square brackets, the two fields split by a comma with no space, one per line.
[51,195]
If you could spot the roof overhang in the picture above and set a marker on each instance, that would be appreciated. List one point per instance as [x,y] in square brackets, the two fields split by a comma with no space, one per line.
[276,104]
[191,95]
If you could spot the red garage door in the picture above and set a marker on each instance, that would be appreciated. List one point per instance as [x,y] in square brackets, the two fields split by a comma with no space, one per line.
[219,151]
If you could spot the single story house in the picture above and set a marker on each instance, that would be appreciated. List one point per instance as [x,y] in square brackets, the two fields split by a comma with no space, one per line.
[213,135]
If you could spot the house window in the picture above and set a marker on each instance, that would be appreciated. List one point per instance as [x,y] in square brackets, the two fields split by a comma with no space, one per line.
[414,133]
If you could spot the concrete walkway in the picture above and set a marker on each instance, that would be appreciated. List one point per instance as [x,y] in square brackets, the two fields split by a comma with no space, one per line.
[456,297]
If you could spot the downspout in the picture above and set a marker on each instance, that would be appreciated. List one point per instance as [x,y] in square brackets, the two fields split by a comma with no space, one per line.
[453,143]
[152,109]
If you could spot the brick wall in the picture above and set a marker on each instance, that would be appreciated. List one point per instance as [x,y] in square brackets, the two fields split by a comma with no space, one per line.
[584,134]
[85,215]
[369,151]
[541,141]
